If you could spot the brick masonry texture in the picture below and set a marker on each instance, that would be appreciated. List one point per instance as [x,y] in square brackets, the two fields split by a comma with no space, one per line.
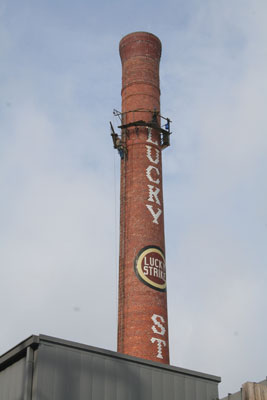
[140,55]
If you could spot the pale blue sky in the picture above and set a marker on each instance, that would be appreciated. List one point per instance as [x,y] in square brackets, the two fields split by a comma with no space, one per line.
[60,78]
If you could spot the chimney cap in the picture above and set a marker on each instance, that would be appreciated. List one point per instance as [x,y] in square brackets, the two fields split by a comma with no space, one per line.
[139,33]
[140,44]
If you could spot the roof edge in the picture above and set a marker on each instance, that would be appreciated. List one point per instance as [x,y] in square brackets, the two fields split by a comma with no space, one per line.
[19,351]
[114,354]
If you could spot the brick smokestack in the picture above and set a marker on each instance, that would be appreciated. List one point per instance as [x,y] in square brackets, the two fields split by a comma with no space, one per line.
[142,322]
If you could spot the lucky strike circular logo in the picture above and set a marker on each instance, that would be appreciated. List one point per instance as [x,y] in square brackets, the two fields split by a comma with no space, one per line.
[150,267]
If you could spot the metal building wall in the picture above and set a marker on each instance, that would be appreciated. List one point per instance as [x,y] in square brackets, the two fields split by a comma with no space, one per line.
[65,370]
[12,381]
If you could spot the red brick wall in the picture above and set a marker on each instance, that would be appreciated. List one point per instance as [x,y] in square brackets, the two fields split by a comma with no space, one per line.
[143,323]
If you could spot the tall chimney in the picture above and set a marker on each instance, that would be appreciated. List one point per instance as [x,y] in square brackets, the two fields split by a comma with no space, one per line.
[142,320]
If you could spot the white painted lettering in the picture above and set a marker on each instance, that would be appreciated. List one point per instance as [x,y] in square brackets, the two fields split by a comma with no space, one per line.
[153,193]
[149,137]
[155,215]
[149,155]
[160,342]
[155,318]
[148,174]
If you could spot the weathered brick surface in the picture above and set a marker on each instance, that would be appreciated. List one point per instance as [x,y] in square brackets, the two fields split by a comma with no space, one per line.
[140,55]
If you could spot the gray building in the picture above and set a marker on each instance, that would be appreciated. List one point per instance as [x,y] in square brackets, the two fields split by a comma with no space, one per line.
[250,391]
[46,368]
